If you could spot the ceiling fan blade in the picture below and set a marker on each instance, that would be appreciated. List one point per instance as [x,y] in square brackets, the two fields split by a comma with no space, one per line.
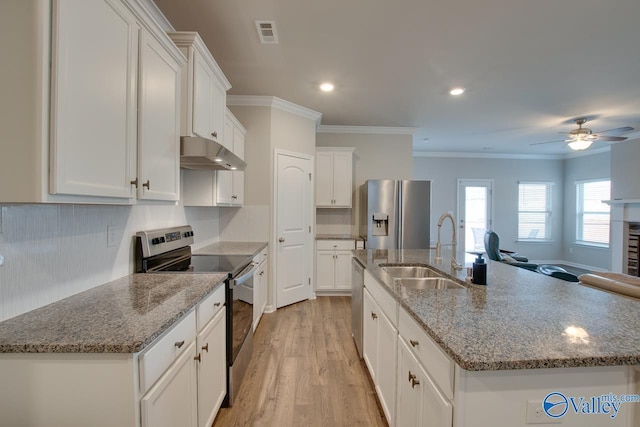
[616,130]
[610,138]
[547,142]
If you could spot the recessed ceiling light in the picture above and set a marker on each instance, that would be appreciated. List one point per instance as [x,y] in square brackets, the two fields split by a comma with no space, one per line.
[217,160]
[326,87]
[457,91]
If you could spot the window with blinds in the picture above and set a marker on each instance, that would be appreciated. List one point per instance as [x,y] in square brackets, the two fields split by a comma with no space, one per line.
[592,222]
[534,210]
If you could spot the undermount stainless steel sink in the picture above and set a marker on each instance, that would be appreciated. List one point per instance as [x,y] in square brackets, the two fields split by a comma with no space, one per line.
[409,271]
[429,283]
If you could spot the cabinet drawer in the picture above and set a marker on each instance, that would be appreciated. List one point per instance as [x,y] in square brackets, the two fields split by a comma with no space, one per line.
[386,302]
[208,307]
[329,245]
[264,254]
[165,350]
[433,359]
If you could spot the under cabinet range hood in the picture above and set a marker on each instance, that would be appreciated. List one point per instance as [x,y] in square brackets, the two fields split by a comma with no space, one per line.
[202,153]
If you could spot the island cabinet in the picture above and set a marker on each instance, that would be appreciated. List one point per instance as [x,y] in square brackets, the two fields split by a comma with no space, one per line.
[425,378]
[380,338]
[91,126]
[333,266]
[334,177]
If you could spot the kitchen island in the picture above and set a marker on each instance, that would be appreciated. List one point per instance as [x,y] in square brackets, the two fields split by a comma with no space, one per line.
[512,342]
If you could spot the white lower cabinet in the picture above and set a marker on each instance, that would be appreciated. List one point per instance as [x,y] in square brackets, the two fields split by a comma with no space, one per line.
[333,265]
[419,401]
[379,353]
[260,278]
[172,400]
[212,369]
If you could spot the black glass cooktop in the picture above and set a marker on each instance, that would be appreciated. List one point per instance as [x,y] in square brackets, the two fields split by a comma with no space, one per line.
[210,264]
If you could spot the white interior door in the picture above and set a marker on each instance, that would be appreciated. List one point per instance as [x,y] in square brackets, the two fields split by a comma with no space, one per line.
[475,202]
[294,254]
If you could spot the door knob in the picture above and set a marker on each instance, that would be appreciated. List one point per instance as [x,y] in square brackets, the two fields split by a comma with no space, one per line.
[281,240]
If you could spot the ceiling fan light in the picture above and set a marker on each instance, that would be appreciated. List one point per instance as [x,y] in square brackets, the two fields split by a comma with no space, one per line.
[580,144]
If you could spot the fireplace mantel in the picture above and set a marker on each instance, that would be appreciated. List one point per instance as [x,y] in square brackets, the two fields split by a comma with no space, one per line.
[623,211]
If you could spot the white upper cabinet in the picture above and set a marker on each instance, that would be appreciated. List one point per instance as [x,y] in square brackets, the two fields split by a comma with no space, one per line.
[93,103]
[103,118]
[334,177]
[222,187]
[204,89]
[159,123]
[230,184]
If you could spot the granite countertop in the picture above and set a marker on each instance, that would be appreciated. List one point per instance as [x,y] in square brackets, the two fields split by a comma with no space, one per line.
[232,248]
[520,320]
[122,316]
[337,237]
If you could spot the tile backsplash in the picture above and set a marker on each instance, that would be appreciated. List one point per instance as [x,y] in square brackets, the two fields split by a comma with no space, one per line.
[54,251]
[335,221]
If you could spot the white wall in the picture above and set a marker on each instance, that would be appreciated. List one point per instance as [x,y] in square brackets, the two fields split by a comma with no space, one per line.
[375,157]
[54,251]
[444,173]
[625,175]
[596,166]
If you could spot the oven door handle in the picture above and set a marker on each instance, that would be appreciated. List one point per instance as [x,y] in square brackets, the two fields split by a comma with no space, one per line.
[243,277]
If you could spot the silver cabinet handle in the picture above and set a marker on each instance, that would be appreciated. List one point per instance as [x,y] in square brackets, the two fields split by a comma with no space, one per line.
[281,240]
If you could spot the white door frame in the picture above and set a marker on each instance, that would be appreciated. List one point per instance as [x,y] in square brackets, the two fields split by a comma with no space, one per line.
[469,181]
[274,226]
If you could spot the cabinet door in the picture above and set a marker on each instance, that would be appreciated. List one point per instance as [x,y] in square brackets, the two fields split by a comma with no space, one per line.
[371,313]
[172,400]
[342,179]
[218,110]
[212,369]
[238,188]
[343,270]
[257,295]
[324,179]
[265,286]
[93,99]
[387,352]
[159,122]
[409,396]
[203,80]
[224,187]
[325,269]
[228,134]
[238,144]
[437,411]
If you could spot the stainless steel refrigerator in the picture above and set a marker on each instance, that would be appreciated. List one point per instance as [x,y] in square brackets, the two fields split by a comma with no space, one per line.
[395,214]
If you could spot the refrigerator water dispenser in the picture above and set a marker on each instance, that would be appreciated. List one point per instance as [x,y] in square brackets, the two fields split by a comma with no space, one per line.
[380,224]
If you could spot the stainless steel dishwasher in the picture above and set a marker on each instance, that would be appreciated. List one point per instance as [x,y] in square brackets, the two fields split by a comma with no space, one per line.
[357,290]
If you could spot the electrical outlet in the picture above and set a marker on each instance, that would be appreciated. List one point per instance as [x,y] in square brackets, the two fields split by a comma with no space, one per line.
[536,415]
[112,236]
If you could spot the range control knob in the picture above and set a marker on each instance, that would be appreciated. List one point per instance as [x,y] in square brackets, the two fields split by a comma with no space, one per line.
[155,241]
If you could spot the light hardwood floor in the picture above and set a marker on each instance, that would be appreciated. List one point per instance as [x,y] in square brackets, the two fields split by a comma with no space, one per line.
[305,371]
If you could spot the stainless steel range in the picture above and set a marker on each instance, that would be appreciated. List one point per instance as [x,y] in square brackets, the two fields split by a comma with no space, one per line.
[168,250]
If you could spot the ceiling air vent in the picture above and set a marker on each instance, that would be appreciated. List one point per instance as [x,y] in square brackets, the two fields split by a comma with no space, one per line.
[267,32]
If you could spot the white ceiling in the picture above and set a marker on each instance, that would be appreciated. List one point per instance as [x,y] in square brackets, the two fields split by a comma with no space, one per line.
[530,66]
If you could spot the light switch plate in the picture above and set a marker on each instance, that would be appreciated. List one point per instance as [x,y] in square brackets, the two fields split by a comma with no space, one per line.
[536,415]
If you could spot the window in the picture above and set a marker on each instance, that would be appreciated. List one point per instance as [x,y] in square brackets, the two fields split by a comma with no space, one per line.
[534,211]
[592,222]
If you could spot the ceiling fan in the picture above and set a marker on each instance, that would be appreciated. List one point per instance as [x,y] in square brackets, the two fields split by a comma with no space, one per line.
[582,138]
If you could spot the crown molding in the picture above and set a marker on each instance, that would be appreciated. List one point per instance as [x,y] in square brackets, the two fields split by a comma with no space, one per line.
[467,155]
[379,130]
[273,102]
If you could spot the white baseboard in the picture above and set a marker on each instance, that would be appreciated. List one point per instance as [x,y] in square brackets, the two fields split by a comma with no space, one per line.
[269,309]
[334,293]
